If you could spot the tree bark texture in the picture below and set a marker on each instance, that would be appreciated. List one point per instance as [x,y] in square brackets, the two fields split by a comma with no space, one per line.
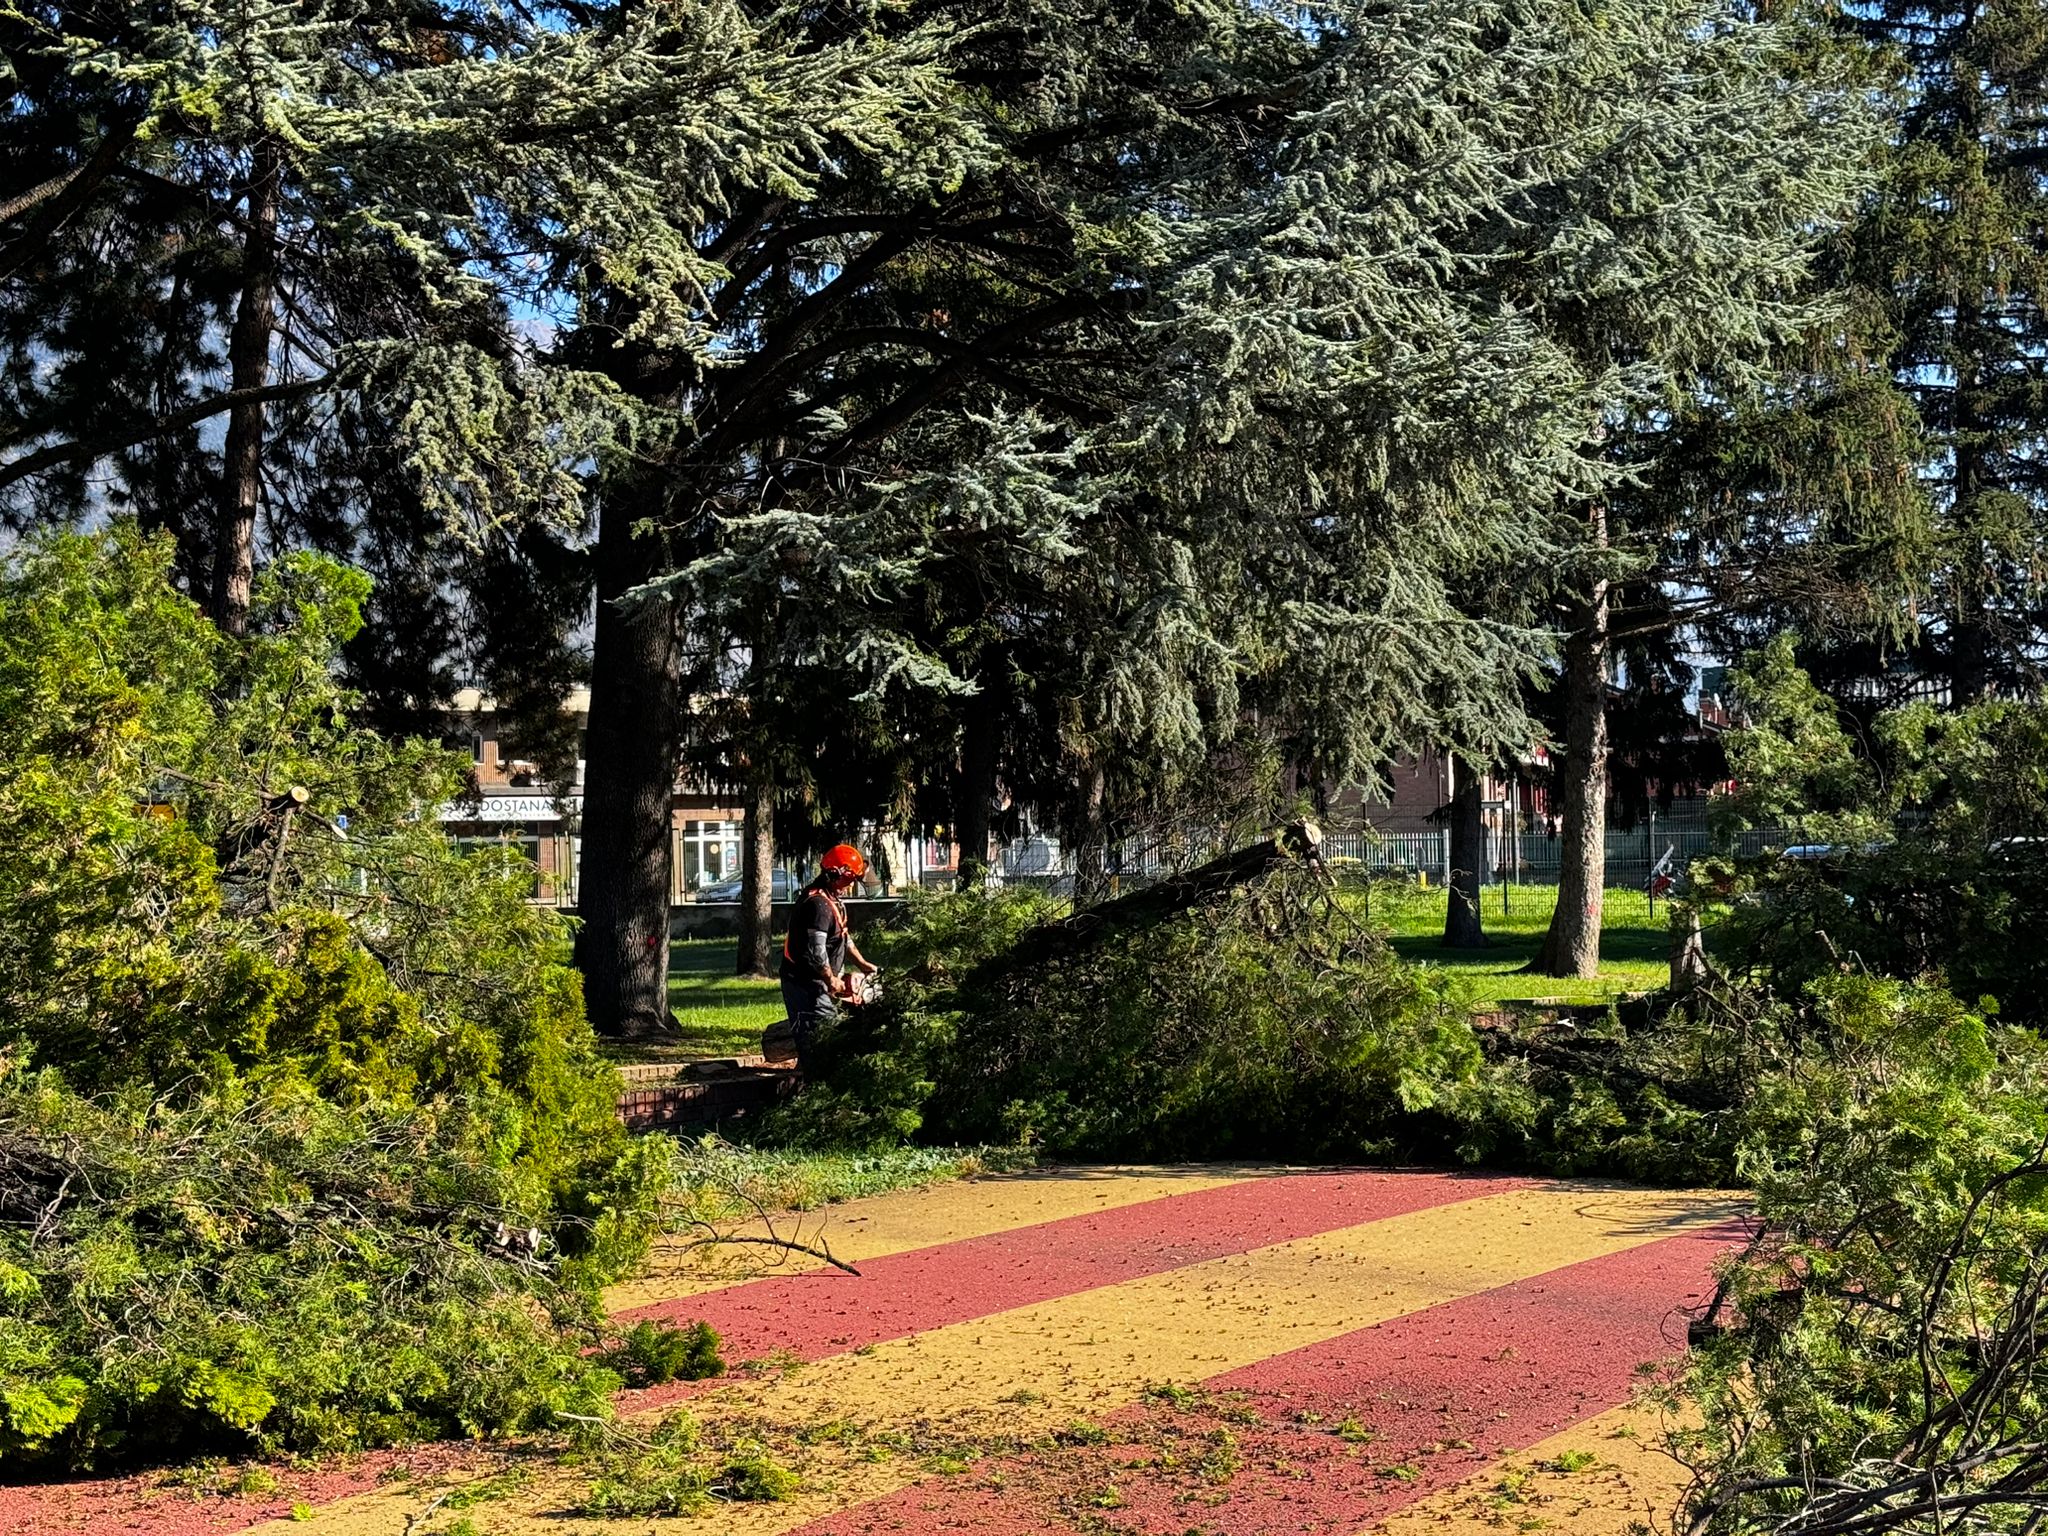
[249,339]
[1572,946]
[634,745]
[757,877]
[1462,926]
[1299,841]
[1091,857]
[974,806]
[1688,950]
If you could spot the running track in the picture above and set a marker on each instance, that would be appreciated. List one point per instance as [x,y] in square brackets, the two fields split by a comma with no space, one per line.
[1239,1351]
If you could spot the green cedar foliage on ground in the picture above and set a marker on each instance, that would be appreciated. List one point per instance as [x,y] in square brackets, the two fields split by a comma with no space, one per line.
[666,1473]
[303,1139]
[1877,1364]
[1270,1022]
[1926,838]
[241,1268]
[1880,1366]
[1264,1022]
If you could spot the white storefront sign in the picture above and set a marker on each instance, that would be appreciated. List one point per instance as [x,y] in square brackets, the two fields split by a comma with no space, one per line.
[498,808]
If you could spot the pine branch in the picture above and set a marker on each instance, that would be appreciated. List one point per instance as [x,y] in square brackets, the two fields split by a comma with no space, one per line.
[128,434]
[58,199]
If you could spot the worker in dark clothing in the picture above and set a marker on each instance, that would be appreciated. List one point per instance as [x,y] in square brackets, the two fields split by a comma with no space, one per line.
[819,947]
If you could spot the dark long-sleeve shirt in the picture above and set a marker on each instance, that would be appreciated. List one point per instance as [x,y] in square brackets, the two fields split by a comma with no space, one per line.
[816,946]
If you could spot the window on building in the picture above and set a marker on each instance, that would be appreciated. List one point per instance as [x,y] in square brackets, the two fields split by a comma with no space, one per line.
[711,853]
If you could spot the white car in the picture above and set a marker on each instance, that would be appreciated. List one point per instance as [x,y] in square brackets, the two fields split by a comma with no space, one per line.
[786,887]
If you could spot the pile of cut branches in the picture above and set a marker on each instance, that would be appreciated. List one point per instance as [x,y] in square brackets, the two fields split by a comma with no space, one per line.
[1239,1008]
[270,1271]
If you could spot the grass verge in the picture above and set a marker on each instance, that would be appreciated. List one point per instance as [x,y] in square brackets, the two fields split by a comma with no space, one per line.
[716,1012]
[722,1181]
[1634,943]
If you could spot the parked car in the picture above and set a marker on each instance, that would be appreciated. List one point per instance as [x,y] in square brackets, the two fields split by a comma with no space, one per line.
[1812,853]
[786,887]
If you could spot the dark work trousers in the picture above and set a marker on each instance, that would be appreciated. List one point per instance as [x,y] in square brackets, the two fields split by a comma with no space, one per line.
[810,1003]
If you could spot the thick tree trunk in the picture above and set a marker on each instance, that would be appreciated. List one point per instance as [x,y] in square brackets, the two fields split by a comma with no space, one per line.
[974,799]
[634,744]
[757,877]
[1091,857]
[1572,946]
[241,487]
[1462,927]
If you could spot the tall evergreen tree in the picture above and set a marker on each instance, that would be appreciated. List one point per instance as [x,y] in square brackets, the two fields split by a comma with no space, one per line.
[1951,247]
[1743,510]
[1270,334]
[1760,473]
[358,215]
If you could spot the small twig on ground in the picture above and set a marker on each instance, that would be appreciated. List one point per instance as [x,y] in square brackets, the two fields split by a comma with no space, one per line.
[789,1244]
[419,1516]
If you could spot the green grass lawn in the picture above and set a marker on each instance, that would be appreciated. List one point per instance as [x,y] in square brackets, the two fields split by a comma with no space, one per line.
[717,1013]
[720,1015]
[1634,946]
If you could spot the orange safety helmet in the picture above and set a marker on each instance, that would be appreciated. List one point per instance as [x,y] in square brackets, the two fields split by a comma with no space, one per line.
[843,859]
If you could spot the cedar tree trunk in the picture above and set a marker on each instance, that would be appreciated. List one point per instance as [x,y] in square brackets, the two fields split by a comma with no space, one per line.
[1462,927]
[1091,859]
[975,795]
[1572,946]
[634,744]
[757,877]
[1299,842]
[241,486]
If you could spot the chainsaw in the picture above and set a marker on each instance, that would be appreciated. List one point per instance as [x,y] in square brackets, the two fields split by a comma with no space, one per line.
[778,1041]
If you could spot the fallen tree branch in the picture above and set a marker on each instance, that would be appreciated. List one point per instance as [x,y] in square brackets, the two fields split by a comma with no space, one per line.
[1297,842]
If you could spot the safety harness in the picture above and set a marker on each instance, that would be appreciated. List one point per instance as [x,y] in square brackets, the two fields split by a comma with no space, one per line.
[838,921]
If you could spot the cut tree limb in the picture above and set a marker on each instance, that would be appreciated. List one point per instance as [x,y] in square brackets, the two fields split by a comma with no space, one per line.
[1297,842]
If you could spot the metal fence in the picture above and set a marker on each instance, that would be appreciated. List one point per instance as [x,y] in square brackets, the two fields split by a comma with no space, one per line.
[1524,858]
[1533,858]
[1519,858]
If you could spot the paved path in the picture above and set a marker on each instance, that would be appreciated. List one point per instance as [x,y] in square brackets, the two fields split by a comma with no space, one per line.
[1235,1351]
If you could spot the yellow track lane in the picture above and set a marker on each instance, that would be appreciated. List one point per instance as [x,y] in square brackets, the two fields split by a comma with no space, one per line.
[1631,1485]
[1038,1368]
[919,1218]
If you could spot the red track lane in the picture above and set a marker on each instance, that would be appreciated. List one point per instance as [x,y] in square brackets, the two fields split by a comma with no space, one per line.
[1442,1392]
[824,1312]
[140,1506]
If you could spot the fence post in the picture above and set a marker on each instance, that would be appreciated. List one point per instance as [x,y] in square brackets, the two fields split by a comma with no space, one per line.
[1508,850]
[1447,858]
[1650,861]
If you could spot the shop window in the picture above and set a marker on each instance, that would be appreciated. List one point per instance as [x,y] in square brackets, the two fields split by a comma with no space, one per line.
[710,853]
